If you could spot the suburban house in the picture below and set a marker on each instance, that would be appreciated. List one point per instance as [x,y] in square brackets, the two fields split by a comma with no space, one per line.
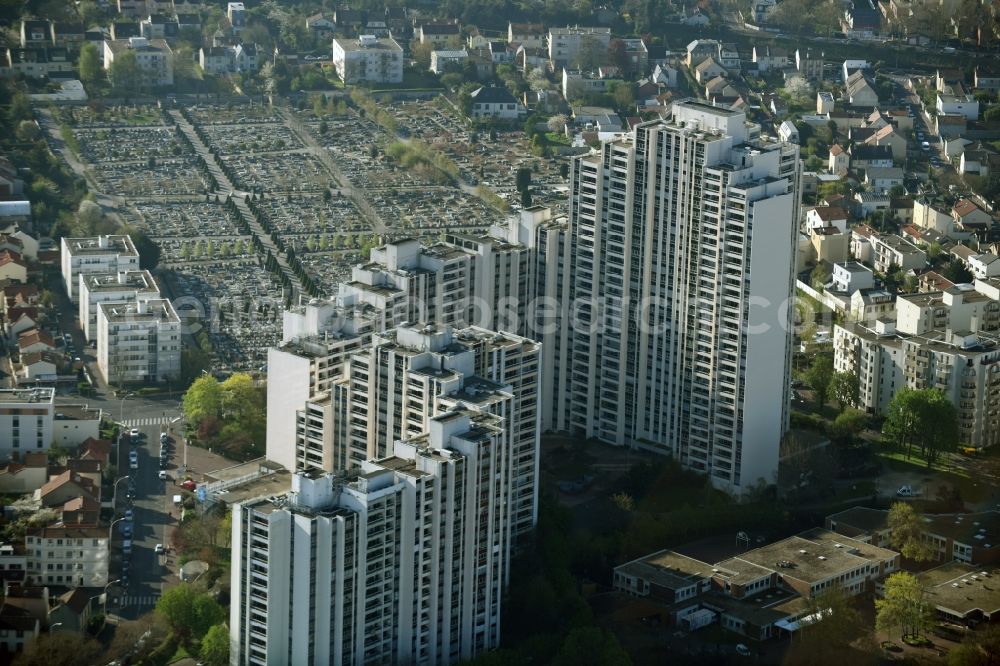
[867,156]
[827,216]
[966,106]
[529,35]
[769,57]
[861,90]
[65,487]
[788,132]
[12,267]
[320,25]
[440,35]
[839,160]
[496,102]
[887,136]
[883,179]
[441,60]
[708,69]
[35,340]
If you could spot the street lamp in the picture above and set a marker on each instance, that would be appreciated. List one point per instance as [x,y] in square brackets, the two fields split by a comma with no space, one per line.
[110,583]
[111,531]
[114,493]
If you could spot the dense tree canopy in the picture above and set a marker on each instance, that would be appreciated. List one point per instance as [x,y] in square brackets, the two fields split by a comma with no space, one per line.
[924,419]
[907,533]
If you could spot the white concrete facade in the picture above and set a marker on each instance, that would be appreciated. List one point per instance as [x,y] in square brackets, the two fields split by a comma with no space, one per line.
[119,287]
[944,340]
[99,254]
[138,341]
[69,556]
[403,564]
[25,421]
[697,380]
[368,58]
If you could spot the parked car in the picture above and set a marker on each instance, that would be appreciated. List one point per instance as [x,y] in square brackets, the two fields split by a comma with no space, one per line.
[905,491]
[162,475]
[133,460]
[742,650]
[159,548]
[128,515]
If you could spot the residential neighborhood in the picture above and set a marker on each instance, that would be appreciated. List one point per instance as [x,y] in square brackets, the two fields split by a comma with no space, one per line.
[491,332]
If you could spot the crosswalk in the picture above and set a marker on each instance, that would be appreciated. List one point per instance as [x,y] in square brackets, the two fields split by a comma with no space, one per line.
[139,601]
[148,421]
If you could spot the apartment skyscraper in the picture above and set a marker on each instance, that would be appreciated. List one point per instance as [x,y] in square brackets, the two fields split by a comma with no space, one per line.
[403,563]
[681,291]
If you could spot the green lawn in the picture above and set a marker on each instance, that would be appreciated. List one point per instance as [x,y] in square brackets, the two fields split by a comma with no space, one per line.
[555,138]
[972,490]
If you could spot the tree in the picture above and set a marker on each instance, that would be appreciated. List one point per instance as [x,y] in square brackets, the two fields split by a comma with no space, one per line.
[819,376]
[820,275]
[590,55]
[618,54]
[839,625]
[189,614]
[207,614]
[215,646]
[125,73]
[957,272]
[978,649]
[591,645]
[557,123]
[907,533]
[798,88]
[244,402]
[203,399]
[849,424]
[846,389]
[922,418]
[623,96]
[63,647]
[149,251]
[89,65]
[27,131]
[903,606]
[523,179]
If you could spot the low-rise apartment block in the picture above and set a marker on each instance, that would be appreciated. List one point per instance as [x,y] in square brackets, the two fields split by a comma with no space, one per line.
[138,342]
[368,58]
[100,254]
[578,47]
[25,421]
[118,287]
[69,556]
[155,59]
[893,252]
[948,340]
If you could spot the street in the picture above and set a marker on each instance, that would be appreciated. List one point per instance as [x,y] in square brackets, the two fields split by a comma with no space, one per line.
[143,579]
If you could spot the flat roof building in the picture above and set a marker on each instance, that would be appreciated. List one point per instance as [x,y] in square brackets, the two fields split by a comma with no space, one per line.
[98,254]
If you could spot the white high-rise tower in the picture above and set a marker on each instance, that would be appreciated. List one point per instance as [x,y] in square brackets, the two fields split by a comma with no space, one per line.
[684,242]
